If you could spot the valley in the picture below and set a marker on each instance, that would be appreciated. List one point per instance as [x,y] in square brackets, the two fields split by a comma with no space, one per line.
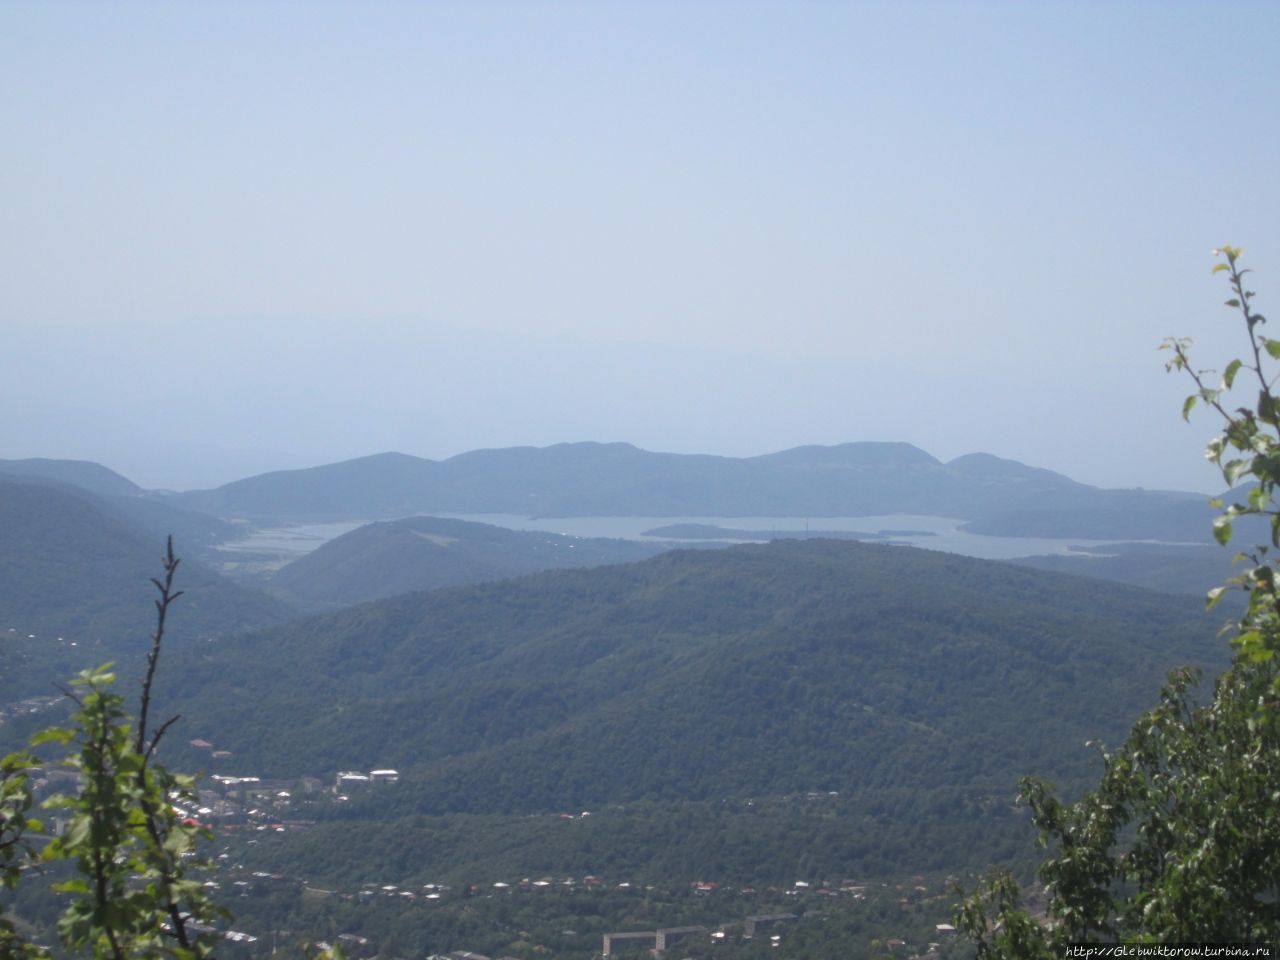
[602,724]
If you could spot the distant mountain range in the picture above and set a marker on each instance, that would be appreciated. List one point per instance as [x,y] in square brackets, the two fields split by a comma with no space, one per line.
[595,479]
[995,496]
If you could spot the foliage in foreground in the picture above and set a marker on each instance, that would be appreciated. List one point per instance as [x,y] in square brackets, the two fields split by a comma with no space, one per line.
[132,894]
[1180,840]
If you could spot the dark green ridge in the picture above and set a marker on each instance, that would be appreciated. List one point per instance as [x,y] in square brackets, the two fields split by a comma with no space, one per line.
[759,669]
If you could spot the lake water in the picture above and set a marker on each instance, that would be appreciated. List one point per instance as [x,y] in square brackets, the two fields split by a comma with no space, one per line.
[292,539]
[934,533]
[931,533]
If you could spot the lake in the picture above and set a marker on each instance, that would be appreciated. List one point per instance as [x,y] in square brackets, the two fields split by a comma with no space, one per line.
[931,533]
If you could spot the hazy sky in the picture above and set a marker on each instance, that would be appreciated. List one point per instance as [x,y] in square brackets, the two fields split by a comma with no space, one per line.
[249,236]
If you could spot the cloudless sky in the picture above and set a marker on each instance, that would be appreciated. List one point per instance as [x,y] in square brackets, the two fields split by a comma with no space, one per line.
[249,236]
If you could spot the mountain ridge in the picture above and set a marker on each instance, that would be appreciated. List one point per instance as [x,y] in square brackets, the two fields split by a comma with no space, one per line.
[793,662]
[389,557]
[75,587]
[993,494]
[86,474]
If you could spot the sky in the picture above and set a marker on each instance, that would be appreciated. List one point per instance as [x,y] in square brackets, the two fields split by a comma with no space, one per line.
[242,237]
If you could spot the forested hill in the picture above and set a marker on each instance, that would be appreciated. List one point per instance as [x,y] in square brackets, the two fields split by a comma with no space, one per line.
[75,588]
[759,669]
[85,474]
[425,553]
[1172,568]
[617,479]
[125,500]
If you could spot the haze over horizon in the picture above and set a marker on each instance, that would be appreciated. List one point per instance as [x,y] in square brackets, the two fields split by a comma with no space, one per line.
[247,237]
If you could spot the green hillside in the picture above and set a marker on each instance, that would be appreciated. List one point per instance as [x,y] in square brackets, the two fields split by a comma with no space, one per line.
[1190,569]
[423,553]
[769,669]
[85,474]
[75,589]
[125,500]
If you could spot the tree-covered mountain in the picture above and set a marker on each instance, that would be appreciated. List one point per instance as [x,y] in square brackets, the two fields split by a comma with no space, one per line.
[1171,568]
[424,553]
[85,474]
[75,587]
[766,669]
[124,499]
[383,485]
[617,479]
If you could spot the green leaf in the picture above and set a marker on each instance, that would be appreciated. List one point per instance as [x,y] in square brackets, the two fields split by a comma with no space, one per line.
[1233,471]
[1213,597]
[77,833]
[1267,409]
[53,735]
[1222,530]
[1229,375]
[1253,645]
[1219,267]
[1273,347]
[1188,405]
